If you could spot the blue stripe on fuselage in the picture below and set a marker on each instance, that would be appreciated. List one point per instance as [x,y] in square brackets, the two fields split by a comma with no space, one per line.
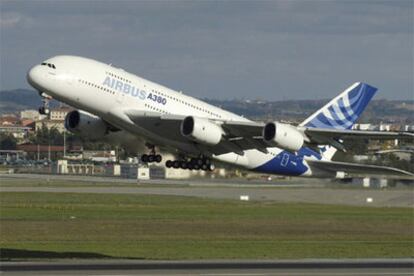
[286,163]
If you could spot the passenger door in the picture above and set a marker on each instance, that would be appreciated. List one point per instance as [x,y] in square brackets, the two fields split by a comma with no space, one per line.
[285,160]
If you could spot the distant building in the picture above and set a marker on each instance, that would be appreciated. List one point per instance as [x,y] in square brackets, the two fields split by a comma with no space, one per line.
[49,124]
[31,114]
[59,114]
[100,156]
[28,123]
[384,127]
[9,120]
[56,119]
[408,128]
[41,151]
[18,132]
[362,127]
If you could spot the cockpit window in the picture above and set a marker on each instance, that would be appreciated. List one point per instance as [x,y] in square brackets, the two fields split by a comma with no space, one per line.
[48,64]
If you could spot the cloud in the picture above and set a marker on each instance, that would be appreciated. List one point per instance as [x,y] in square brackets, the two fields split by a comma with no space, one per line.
[270,49]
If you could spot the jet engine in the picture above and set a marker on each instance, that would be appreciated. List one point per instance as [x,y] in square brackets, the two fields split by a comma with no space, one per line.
[86,124]
[201,130]
[283,135]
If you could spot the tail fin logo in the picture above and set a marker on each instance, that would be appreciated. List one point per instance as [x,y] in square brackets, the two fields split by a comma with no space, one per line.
[344,110]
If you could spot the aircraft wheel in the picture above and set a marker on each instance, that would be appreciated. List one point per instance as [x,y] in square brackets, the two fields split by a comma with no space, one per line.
[204,167]
[168,164]
[190,166]
[158,158]
[176,164]
[183,165]
[144,158]
[151,158]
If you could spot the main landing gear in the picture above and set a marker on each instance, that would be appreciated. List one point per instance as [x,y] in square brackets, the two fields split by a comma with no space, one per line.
[191,164]
[201,163]
[44,109]
[152,157]
[149,158]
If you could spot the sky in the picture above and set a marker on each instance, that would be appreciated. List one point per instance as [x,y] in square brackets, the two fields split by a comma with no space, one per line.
[268,50]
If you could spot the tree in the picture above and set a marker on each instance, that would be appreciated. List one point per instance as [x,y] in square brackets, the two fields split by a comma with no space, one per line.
[7,142]
[45,136]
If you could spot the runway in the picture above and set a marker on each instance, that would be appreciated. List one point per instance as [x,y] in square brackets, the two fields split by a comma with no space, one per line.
[231,182]
[225,268]
[284,192]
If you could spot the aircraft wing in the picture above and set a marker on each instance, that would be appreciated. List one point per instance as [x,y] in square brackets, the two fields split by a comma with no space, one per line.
[358,169]
[325,136]
[165,125]
[239,136]
[246,135]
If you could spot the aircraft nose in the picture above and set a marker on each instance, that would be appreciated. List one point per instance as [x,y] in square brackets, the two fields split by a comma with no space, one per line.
[33,75]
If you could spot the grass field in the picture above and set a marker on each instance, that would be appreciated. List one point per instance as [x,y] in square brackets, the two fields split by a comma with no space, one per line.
[57,225]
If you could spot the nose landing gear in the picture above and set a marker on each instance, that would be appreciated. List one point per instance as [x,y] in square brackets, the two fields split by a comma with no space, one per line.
[44,109]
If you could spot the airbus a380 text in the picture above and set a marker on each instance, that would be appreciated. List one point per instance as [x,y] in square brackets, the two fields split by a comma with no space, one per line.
[112,102]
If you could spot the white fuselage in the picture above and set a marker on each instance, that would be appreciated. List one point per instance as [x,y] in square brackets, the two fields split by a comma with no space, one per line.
[102,89]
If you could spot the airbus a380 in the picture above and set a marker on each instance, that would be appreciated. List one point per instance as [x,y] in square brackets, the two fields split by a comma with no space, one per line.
[112,101]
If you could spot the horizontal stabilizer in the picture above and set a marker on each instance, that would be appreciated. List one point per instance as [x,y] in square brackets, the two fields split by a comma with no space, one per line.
[358,169]
[323,136]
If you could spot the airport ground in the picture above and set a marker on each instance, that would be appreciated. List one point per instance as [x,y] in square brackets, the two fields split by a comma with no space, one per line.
[46,217]
[222,267]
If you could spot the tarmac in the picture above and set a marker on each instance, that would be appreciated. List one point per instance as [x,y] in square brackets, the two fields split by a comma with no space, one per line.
[222,267]
[230,182]
[286,192]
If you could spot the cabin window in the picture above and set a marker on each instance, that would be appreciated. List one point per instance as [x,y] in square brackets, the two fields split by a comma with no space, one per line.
[48,65]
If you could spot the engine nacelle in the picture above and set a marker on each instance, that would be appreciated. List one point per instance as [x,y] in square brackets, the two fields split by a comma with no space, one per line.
[283,135]
[86,124]
[201,130]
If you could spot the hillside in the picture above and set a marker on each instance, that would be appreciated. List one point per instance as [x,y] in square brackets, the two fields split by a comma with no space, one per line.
[12,101]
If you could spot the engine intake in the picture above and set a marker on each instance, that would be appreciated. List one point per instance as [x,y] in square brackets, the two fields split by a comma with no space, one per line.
[283,135]
[201,130]
[86,124]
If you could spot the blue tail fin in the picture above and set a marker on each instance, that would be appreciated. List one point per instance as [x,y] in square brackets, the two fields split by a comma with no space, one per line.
[344,110]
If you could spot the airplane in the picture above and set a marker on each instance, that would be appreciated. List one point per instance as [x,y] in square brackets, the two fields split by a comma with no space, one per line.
[112,102]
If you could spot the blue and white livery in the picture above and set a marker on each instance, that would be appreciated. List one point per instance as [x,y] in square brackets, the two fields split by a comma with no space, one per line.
[114,103]
[343,111]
